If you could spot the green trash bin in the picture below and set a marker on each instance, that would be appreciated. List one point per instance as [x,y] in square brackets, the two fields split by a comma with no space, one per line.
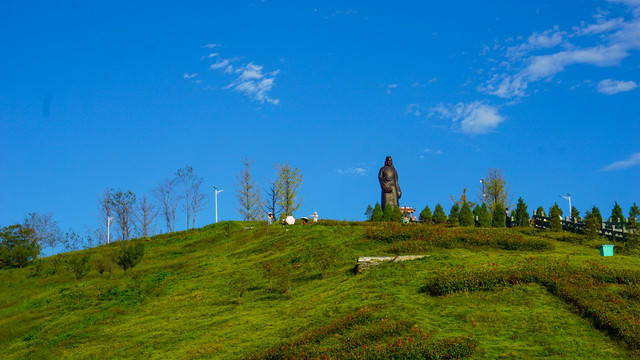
[606,250]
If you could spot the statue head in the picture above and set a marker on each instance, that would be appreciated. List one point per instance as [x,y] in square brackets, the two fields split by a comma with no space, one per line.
[388,161]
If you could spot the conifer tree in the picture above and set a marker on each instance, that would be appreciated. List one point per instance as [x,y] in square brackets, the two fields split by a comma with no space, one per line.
[592,224]
[425,215]
[522,216]
[540,211]
[387,212]
[396,214]
[484,219]
[465,218]
[368,212]
[439,217]
[453,214]
[596,212]
[616,213]
[377,215]
[477,210]
[575,214]
[555,218]
[634,213]
[498,216]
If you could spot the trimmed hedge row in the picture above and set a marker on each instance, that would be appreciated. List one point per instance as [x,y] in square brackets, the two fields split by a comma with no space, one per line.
[423,236]
[360,342]
[588,288]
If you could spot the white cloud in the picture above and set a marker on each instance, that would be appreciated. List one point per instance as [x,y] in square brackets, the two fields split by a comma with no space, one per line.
[612,87]
[392,86]
[354,171]
[429,151]
[601,26]
[189,76]
[219,64]
[633,160]
[546,54]
[253,83]
[472,118]
[212,55]
[546,66]
[415,109]
[210,46]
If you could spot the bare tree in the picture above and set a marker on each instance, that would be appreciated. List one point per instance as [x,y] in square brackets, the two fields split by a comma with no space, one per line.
[495,189]
[199,200]
[187,179]
[145,214]
[289,181]
[46,230]
[166,195]
[248,193]
[123,203]
[105,211]
[270,205]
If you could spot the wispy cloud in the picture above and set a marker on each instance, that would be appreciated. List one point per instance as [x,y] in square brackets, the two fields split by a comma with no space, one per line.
[612,87]
[219,64]
[471,118]
[545,54]
[633,160]
[189,76]
[251,80]
[254,83]
[390,87]
[354,171]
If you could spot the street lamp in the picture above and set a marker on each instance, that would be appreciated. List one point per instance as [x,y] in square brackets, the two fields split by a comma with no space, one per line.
[568,197]
[109,219]
[215,189]
[483,194]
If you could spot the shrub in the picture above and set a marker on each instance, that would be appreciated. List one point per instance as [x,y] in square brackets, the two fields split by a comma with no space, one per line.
[104,263]
[80,265]
[130,255]
[585,287]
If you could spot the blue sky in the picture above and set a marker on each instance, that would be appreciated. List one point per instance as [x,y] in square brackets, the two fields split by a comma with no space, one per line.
[122,94]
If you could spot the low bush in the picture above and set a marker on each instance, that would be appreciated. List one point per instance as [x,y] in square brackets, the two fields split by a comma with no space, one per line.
[129,255]
[381,339]
[416,237]
[587,288]
[80,264]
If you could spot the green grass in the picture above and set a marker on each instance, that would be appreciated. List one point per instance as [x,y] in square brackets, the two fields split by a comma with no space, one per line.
[182,301]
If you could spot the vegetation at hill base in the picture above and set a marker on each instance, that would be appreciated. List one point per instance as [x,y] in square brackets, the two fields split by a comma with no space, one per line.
[244,290]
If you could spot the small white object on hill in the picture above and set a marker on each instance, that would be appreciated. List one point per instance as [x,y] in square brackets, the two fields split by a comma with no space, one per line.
[290,220]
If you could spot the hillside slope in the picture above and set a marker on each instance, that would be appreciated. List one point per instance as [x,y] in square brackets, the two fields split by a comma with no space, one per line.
[236,289]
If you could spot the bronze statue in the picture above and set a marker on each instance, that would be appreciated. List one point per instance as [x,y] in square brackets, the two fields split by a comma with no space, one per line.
[388,177]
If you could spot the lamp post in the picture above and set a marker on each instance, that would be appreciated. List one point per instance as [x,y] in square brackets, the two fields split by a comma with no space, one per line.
[483,194]
[568,197]
[215,189]
[109,219]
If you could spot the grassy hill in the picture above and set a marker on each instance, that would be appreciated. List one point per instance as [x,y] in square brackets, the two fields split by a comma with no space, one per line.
[239,290]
